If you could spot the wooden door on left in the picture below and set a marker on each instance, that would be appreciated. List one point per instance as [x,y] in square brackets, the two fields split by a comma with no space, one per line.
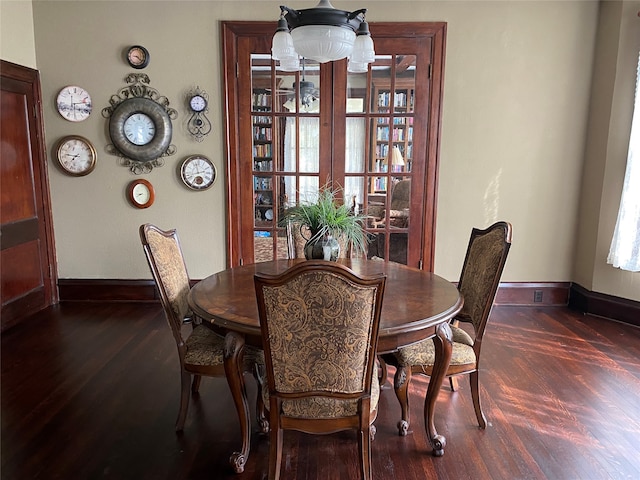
[27,252]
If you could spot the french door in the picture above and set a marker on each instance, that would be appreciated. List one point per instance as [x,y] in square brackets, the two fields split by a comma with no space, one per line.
[374,135]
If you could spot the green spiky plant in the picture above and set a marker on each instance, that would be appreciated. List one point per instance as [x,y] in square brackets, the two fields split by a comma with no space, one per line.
[326,216]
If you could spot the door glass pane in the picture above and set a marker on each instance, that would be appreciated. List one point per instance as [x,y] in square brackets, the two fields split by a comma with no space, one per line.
[379,144]
[354,193]
[290,192]
[400,202]
[405,80]
[263,201]
[309,188]
[284,99]
[355,144]
[356,92]
[302,141]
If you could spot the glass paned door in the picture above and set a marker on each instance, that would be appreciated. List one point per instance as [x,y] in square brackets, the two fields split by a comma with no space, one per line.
[378,173]
[375,134]
[286,148]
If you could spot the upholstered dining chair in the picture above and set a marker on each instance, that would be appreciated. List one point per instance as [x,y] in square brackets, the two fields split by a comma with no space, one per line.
[481,271]
[320,325]
[202,351]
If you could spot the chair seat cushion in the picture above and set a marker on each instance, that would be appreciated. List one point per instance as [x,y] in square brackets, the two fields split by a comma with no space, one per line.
[325,407]
[424,353]
[206,347]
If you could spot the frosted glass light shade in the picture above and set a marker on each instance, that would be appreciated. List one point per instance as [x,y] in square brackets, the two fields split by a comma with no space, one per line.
[363,51]
[290,64]
[357,67]
[282,46]
[323,43]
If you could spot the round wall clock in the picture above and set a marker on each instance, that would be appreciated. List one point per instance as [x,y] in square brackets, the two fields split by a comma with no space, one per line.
[197,103]
[76,155]
[198,124]
[74,103]
[140,129]
[138,56]
[140,193]
[198,172]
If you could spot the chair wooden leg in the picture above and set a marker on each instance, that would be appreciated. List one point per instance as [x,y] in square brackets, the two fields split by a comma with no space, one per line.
[382,372]
[453,383]
[261,410]
[475,395]
[275,448]
[184,400]
[195,386]
[365,452]
[401,382]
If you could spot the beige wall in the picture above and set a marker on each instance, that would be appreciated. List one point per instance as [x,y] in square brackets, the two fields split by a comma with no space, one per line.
[610,115]
[516,98]
[17,43]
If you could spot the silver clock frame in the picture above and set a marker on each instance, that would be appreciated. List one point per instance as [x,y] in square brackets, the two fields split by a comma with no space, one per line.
[161,139]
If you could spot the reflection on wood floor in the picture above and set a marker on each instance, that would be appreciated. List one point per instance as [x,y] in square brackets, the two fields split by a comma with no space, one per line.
[91,391]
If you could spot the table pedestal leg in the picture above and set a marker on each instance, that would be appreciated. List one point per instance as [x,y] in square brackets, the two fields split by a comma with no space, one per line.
[443,347]
[233,362]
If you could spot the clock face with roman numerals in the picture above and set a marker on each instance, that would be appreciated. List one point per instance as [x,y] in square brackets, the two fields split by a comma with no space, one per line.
[140,129]
[76,155]
[74,103]
[198,172]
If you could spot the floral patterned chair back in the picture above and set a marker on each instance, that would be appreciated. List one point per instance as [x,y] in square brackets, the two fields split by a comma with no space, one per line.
[320,326]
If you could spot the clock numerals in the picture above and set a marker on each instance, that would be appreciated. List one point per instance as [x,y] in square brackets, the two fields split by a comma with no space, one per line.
[76,155]
[198,125]
[139,129]
[197,103]
[198,172]
[74,103]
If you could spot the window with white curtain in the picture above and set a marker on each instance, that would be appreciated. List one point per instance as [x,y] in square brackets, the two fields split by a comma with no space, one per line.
[625,246]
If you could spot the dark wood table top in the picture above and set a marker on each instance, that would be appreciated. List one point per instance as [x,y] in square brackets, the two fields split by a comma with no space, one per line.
[415,301]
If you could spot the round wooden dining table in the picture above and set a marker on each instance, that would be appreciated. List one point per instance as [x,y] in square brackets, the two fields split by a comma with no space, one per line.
[417,305]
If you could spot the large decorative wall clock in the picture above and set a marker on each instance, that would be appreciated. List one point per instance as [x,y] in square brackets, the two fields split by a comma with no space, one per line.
[140,125]
[198,124]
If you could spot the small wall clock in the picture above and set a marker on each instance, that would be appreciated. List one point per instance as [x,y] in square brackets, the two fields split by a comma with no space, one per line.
[198,172]
[74,103]
[140,193]
[140,125]
[76,155]
[138,56]
[198,124]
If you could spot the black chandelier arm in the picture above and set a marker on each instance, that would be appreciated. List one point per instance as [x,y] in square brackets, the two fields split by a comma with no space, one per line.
[362,12]
[323,16]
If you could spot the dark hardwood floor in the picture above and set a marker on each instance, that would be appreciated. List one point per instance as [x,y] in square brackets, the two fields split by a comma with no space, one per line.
[90,391]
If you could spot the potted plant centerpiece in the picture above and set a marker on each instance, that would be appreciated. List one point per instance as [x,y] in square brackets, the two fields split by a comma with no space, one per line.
[327,219]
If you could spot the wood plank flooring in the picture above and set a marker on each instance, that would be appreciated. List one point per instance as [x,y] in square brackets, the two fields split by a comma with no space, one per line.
[90,391]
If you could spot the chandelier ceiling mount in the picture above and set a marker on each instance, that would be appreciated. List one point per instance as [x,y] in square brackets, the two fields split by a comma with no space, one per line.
[323,33]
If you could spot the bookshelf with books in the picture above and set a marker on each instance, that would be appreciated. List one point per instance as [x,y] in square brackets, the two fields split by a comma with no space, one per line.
[262,135]
[392,135]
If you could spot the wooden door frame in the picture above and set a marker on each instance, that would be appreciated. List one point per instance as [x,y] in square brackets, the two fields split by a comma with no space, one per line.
[231,31]
[25,306]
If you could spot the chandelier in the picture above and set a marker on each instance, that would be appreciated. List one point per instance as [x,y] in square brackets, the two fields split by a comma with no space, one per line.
[324,34]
